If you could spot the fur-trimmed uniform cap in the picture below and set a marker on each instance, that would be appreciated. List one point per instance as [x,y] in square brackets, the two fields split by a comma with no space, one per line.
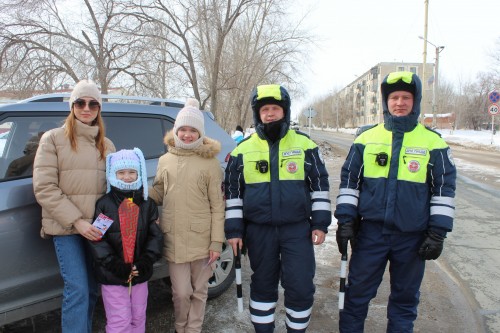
[127,159]
[85,88]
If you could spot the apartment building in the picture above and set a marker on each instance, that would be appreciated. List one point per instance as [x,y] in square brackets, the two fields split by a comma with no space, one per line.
[361,100]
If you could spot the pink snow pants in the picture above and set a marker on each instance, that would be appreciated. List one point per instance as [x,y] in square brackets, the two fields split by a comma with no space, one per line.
[125,313]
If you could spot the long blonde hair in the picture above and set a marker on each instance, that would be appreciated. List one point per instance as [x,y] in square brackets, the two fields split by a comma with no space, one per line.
[70,131]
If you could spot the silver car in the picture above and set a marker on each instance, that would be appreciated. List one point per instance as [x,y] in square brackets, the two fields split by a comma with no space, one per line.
[30,282]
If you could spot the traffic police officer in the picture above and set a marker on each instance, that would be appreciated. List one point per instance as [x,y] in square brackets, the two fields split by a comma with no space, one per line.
[396,204]
[277,197]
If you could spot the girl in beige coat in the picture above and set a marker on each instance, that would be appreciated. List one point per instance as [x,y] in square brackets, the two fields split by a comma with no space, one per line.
[68,178]
[188,185]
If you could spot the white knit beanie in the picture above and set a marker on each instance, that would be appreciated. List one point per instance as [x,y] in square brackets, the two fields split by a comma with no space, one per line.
[85,88]
[190,115]
[127,159]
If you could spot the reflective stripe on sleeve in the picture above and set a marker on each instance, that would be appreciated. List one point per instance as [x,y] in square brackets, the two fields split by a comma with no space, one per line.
[443,201]
[234,213]
[349,191]
[320,195]
[443,210]
[321,205]
[234,202]
[348,196]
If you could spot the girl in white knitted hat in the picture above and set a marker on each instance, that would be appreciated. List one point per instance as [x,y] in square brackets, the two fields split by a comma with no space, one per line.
[188,185]
[125,255]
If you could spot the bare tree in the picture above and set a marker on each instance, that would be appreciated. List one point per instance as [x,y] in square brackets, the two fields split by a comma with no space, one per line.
[218,51]
[38,42]
[215,51]
[265,46]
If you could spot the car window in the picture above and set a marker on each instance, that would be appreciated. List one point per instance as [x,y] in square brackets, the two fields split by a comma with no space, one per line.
[18,147]
[19,137]
[4,135]
[145,133]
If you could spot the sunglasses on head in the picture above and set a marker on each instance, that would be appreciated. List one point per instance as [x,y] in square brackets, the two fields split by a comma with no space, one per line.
[93,105]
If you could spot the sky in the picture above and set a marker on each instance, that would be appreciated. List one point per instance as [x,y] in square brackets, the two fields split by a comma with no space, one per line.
[355,35]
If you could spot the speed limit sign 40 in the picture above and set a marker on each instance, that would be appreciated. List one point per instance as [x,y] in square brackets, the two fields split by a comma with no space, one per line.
[493,109]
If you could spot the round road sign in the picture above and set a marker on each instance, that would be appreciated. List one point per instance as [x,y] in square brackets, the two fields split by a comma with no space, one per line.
[494,96]
[493,109]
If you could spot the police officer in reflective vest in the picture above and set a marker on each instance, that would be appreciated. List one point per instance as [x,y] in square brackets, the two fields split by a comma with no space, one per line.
[277,199]
[396,204]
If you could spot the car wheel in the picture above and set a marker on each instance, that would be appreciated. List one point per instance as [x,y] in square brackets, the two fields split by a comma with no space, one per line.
[224,273]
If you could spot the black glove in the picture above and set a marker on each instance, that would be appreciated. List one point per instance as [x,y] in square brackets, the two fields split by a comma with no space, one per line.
[432,246]
[119,268]
[144,265]
[346,232]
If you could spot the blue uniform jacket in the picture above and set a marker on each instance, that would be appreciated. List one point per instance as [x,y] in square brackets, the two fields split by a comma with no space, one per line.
[415,190]
[294,187]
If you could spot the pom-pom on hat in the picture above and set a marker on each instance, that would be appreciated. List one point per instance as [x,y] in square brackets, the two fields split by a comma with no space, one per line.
[190,115]
[127,159]
[85,88]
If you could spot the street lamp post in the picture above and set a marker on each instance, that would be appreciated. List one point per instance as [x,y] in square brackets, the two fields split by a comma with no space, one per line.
[435,84]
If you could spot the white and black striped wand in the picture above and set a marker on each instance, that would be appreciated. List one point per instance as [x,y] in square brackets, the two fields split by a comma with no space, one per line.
[343,274]
[239,291]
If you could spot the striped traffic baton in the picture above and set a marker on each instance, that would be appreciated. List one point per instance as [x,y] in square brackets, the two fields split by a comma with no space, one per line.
[343,274]
[239,291]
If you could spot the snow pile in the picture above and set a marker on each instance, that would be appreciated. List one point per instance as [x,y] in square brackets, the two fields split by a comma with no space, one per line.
[472,139]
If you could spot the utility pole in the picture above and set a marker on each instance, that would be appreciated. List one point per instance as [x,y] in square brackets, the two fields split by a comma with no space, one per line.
[435,84]
[435,91]
[424,64]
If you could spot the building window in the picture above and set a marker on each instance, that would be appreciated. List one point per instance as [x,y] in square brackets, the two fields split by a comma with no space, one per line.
[401,69]
[413,70]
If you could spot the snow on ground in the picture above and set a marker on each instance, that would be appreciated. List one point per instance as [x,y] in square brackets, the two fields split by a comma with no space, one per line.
[466,138]
[481,140]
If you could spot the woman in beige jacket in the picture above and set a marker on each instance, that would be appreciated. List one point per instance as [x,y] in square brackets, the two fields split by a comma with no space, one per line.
[188,185]
[68,178]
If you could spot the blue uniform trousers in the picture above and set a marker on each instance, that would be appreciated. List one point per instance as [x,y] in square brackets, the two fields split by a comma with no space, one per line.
[366,270]
[281,252]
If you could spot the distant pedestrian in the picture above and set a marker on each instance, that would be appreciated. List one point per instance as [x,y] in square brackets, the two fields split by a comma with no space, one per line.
[238,134]
[131,244]
[68,178]
[250,130]
[395,204]
[188,185]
